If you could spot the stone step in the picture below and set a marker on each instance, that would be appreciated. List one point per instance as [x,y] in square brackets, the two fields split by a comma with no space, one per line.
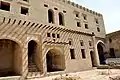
[32,66]
[33,70]
[10,78]
[33,75]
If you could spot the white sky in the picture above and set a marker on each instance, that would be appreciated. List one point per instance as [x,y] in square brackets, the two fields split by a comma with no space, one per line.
[110,10]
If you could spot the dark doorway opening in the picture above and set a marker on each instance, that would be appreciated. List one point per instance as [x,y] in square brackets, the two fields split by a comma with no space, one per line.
[55,62]
[101,53]
[10,58]
[32,50]
[92,58]
[112,53]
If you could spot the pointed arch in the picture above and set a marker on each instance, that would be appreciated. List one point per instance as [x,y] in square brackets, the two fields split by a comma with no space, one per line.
[50,16]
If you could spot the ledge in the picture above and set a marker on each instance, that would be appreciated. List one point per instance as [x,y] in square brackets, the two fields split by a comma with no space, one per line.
[24,3]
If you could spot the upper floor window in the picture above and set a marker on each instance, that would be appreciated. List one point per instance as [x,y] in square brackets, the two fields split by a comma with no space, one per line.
[50,16]
[61,19]
[26,0]
[90,43]
[78,24]
[45,5]
[48,34]
[110,40]
[53,35]
[64,11]
[84,16]
[58,35]
[5,6]
[24,10]
[81,43]
[86,26]
[96,21]
[70,42]
[76,14]
[56,8]
[98,29]
[72,54]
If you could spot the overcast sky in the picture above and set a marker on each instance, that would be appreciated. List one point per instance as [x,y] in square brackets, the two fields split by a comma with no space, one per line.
[110,10]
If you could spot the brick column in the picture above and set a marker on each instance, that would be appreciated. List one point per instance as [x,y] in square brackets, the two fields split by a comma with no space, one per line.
[24,61]
[96,56]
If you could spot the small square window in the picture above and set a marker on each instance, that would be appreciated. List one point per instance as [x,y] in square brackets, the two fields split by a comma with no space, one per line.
[45,5]
[58,35]
[96,20]
[5,6]
[90,43]
[53,35]
[72,54]
[64,11]
[26,0]
[24,10]
[81,43]
[98,29]
[110,40]
[78,24]
[84,16]
[83,53]
[56,8]
[70,43]
[48,34]
[86,26]
[77,15]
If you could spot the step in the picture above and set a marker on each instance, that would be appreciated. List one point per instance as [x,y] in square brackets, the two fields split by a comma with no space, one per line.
[33,75]
[10,78]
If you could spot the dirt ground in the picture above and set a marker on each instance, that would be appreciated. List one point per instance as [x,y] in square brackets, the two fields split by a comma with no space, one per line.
[95,74]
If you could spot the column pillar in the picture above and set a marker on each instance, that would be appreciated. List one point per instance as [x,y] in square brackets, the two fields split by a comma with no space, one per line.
[96,56]
[44,60]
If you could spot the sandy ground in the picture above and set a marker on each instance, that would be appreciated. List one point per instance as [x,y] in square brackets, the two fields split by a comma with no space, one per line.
[95,74]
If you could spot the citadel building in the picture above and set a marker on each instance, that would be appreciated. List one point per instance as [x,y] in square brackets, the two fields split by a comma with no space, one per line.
[40,37]
[113,44]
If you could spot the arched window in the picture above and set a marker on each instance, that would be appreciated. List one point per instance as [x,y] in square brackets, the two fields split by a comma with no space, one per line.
[50,16]
[61,19]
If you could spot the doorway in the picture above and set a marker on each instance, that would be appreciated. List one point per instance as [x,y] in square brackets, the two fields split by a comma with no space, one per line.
[55,61]
[101,53]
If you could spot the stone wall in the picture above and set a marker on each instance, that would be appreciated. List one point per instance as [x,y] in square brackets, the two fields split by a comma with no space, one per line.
[21,29]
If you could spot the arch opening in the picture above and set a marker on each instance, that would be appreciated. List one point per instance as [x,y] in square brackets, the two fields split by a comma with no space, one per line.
[10,58]
[61,19]
[100,47]
[50,16]
[34,64]
[55,61]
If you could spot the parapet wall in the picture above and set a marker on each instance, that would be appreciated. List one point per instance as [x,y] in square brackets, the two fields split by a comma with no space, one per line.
[80,7]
